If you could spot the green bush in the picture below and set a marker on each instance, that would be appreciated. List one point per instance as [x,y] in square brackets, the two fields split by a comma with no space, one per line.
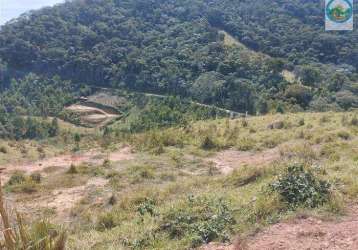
[147,207]
[300,187]
[201,220]
[17,178]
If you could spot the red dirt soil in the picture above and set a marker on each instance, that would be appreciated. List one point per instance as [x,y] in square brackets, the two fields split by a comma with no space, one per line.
[228,160]
[64,161]
[302,234]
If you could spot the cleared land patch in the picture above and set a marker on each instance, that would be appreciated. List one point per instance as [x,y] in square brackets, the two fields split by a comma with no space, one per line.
[92,116]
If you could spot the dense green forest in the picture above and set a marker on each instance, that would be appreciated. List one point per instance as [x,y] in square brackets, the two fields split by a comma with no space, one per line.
[177,48]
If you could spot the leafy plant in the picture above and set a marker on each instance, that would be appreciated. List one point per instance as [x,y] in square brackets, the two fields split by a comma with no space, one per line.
[298,186]
[16,178]
[147,207]
[201,220]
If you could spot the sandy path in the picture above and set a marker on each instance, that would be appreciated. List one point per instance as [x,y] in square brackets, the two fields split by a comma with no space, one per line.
[226,161]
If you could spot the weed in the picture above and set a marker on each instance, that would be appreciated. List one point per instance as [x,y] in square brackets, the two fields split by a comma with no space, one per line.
[72,170]
[208,143]
[344,135]
[3,150]
[106,163]
[301,122]
[324,119]
[244,123]
[276,125]
[243,176]
[40,236]
[106,221]
[301,152]
[298,186]
[147,207]
[354,121]
[200,220]
[112,200]
[36,177]
[245,144]
[16,178]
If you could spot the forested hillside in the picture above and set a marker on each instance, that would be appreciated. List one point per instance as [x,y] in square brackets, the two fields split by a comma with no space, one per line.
[176,48]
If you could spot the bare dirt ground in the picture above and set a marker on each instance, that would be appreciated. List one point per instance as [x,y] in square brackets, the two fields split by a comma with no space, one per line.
[228,160]
[92,115]
[64,161]
[309,233]
[302,234]
[61,200]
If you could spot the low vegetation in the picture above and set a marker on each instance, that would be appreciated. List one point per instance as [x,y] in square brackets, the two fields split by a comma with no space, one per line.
[170,195]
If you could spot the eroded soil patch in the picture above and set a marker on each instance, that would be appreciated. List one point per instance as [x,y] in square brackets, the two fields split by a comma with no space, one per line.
[228,160]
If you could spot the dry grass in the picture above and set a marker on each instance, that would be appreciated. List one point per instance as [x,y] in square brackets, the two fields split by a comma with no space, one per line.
[170,166]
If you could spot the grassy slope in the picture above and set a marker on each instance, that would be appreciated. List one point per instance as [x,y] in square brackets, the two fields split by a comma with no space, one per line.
[170,166]
[167,174]
[31,150]
[170,174]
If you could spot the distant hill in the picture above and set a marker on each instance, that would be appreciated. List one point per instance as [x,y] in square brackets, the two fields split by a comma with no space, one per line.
[179,48]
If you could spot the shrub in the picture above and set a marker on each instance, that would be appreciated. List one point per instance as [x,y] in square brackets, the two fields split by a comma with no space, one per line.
[201,220]
[147,173]
[324,119]
[28,186]
[17,178]
[354,121]
[147,207]
[36,177]
[72,169]
[276,125]
[158,150]
[208,143]
[112,200]
[106,163]
[300,187]
[45,236]
[301,122]
[244,123]
[245,144]
[3,150]
[344,120]
[330,151]
[106,221]
[344,135]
